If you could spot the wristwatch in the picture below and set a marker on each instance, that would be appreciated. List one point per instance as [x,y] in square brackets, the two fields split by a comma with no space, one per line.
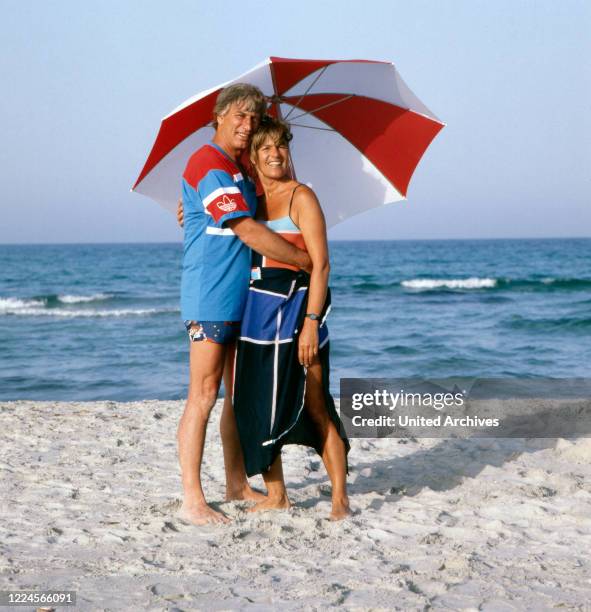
[312,316]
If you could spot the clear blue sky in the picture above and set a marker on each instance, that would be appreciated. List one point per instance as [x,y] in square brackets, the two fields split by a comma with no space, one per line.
[84,86]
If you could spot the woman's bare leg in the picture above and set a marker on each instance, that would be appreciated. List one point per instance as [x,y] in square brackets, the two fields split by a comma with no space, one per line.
[276,493]
[333,447]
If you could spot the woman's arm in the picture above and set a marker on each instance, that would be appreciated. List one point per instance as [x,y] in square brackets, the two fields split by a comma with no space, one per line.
[308,216]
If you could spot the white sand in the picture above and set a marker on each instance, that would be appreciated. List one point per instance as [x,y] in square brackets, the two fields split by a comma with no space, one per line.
[89,492]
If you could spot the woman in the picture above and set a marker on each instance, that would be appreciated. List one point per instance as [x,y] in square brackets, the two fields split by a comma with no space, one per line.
[281,387]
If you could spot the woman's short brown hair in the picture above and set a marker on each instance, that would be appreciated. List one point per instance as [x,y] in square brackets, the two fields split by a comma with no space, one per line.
[240,92]
[277,129]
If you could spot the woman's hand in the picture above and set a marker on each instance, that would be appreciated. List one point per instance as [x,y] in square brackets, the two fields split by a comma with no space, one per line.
[308,343]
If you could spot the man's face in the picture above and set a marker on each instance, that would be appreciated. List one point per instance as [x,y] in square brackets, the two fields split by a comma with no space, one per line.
[237,125]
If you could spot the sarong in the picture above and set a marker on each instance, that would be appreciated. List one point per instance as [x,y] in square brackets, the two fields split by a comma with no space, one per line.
[269,382]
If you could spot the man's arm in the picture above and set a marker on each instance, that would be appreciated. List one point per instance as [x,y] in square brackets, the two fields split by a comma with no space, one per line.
[266,242]
[263,240]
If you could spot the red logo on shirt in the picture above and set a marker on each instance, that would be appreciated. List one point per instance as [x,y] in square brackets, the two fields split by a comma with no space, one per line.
[227,204]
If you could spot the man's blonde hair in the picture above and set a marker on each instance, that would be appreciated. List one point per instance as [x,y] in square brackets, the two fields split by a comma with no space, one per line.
[252,97]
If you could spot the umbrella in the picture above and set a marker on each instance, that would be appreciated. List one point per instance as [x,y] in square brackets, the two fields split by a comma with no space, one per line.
[359,132]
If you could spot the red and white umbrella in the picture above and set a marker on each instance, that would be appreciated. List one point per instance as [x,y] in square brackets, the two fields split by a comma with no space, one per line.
[359,132]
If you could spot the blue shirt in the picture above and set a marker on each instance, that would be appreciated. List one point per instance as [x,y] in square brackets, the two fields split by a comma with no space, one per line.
[216,263]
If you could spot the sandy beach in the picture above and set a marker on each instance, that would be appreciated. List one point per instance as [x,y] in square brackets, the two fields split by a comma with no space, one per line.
[90,490]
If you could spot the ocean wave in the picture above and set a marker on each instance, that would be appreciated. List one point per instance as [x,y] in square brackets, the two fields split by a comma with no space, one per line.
[32,308]
[548,283]
[453,283]
[548,324]
[79,299]
[14,304]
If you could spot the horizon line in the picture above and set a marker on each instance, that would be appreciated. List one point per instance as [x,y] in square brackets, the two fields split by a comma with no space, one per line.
[180,242]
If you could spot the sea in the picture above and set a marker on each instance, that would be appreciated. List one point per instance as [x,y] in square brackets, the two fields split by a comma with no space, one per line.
[102,321]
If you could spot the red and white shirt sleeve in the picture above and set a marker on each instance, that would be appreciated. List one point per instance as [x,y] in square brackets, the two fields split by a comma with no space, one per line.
[221,197]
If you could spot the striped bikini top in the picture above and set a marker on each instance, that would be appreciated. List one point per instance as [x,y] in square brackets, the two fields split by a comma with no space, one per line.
[283,224]
[287,229]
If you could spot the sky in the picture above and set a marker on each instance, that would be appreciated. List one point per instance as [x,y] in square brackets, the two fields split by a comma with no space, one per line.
[85,86]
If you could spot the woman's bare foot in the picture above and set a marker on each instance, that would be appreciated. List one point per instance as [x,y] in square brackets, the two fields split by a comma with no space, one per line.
[201,514]
[272,503]
[340,509]
[246,493]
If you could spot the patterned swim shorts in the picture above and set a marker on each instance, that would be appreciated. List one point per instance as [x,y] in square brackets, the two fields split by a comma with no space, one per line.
[219,332]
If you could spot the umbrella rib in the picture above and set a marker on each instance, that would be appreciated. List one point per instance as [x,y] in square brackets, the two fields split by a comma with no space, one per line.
[312,127]
[315,110]
[306,92]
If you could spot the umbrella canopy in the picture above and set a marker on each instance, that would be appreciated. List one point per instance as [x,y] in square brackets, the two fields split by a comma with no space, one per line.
[359,132]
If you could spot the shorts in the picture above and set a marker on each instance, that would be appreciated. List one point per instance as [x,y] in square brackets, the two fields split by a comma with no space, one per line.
[219,332]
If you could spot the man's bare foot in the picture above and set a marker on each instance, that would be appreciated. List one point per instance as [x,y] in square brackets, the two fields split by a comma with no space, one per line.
[340,509]
[246,493]
[272,503]
[201,514]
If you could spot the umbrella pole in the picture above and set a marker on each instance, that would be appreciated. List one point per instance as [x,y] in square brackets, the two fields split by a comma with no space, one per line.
[276,101]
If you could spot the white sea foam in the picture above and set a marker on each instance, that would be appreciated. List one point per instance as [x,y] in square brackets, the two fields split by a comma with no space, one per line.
[78,299]
[28,311]
[15,305]
[453,283]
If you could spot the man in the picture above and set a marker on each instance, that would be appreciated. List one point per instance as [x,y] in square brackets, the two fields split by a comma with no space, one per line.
[219,202]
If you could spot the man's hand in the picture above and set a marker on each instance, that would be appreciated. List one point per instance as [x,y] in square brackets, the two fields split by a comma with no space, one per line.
[179,212]
[306,263]
[266,242]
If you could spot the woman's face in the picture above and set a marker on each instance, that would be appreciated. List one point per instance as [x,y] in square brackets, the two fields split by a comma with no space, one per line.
[272,159]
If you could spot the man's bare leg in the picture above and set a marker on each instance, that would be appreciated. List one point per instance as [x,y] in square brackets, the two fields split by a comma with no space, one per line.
[206,368]
[277,498]
[237,486]
[333,447]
